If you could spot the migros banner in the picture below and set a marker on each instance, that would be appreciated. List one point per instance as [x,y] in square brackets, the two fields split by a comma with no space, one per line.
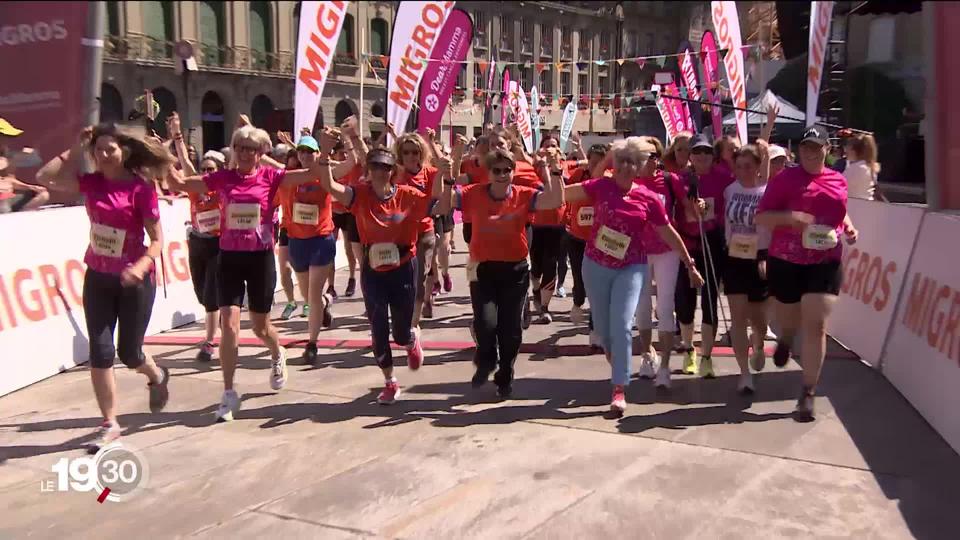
[727,25]
[42,324]
[320,25]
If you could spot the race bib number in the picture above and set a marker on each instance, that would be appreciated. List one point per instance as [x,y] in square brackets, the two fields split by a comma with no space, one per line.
[612,243]
[208,221]
[384,254]
[243,217]
[306,214]
[820,237]
[585,216]
[107,241]
[472,271]
[743,246]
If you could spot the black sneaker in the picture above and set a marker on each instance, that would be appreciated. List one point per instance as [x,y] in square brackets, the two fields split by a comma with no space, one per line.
[159,394]
[527,317]
[504,391]
[480,378]
[332,292]
[804,410]
[545,317]
[351,288]
[310,354]
[781,355]
[327,313]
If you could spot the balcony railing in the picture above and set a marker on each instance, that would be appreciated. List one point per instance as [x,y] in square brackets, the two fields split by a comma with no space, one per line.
[141,48]
[546,49]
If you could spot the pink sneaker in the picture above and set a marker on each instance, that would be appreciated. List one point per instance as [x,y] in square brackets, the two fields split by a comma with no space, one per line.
[447,283]
[436,288]
[390,393]
[618,404]
[414,353]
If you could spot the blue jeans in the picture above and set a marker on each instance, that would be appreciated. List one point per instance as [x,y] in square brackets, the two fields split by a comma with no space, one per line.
[614,294]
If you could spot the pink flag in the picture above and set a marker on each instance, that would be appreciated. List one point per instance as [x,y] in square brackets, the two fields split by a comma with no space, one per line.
[441,76]
[505,99]
[708,55]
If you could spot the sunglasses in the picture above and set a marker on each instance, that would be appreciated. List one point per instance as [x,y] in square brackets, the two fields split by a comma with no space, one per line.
[501,171]
[380,166]
[208,169]
[701,151]
[654,157]
[245,148]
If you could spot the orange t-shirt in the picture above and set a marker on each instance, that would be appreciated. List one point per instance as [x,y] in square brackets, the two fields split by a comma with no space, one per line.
[205,212]
[350,179]
[580,213]
[423,181]
[307,210]
[499,226]
[395,220]
[476,171]
[557,216]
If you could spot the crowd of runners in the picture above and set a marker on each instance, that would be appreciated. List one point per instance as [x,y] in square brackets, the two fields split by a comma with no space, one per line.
[643,229]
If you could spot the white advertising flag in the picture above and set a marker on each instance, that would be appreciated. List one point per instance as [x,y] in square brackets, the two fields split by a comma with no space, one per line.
[521,112]
[415,32]
[320,25]
[820,14]
[727,25]
[566,125]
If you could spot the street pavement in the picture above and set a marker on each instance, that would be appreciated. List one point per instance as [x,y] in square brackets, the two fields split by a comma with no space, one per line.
[320,459]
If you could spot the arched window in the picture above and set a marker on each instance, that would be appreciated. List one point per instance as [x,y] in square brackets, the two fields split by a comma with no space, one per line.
[168,104]
[158,27]
[343,111]
[379,37]
[212,122]
[113,18]
[111,104]
[260,111]
[213,33]
[345,45]
[261,37]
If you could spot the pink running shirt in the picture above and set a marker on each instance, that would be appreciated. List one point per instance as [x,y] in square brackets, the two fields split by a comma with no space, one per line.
[247,207]
[118,210]
[667,193]
[619,220]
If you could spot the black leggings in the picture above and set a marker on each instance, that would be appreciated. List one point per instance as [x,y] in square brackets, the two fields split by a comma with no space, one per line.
[498,297]
[109,306]
[389,295]
[203,269]
[467,232]
[575,248]
[686,296]
[544,252]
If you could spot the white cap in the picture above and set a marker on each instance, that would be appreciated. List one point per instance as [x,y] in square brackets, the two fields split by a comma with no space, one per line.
[776,151]
[216,156]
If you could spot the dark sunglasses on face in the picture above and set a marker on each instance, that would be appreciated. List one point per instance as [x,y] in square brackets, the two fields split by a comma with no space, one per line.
[208,169]
[654,157]
[499,172]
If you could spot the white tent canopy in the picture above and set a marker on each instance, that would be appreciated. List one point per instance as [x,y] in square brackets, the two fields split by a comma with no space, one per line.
[759,104]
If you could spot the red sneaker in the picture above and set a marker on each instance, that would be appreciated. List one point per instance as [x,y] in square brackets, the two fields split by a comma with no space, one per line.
[414,353]
[390,393]
[618,404]
[447,283]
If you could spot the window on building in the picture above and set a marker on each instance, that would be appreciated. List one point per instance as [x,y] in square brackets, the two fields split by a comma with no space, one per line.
[583,85]
[345,45]
[585,48]
[261,36]
[565,83]
[565,48]
[113,18]
[651,43]
[545,83]
[506,33]
[461,77]
[379,37]
[158,27]
[526,36]
[479,30]
[526,77]
[632,42]
[546,41]
[296,24]
[605,53]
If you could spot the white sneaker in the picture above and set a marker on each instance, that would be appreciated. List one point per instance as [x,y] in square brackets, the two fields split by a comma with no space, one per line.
[278,371]
[663,378]
[757,360]
[647,369]
[229,406]
[745,384]
[770,335]
[576,315]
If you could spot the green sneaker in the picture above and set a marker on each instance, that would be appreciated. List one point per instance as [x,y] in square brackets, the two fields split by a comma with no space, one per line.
[288,311]
[690,362]
[306,311]
[706,367]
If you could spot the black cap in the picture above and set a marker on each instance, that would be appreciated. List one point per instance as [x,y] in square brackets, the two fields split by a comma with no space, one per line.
[815,134]
[598,148]
[384,157]
[700,141]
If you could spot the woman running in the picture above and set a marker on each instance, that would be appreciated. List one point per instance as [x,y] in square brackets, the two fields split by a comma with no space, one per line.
[663,265]
[283,254]
[862,166]
[616,261]
[246,266]
[806,208]
[119,286]
[546,247]
[203,240]
[313,248]
[579,218]
[415,171]
[745,272]
[498,272]
[343,220]
[702,229]
[389,219]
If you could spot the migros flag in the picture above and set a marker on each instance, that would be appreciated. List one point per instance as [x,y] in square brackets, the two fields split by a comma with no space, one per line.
[320,25]
[415,33]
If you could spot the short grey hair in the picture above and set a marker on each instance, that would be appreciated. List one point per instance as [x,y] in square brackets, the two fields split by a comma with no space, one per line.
[254,135]
[636,148]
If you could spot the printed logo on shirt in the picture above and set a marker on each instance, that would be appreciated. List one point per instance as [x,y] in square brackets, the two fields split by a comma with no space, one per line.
[741,209]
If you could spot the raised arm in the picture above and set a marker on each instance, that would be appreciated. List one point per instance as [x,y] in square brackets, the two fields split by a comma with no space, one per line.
[343,194]
[553,189]
[180,146]
[764,147]
[61,173]
[578,146]
[772,112]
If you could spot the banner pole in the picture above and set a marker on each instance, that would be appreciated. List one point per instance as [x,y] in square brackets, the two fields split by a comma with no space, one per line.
[93,41]
[364,64]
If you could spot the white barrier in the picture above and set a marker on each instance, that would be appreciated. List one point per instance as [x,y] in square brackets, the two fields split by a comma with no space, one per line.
[873,275]
[922,357]
[42,325]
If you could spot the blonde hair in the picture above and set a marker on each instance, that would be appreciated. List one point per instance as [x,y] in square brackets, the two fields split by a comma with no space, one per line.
[866,148]
[637,148]
[257,136]
[670,155]
[416,139]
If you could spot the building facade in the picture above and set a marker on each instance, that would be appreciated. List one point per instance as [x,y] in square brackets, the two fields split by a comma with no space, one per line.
[245,53]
